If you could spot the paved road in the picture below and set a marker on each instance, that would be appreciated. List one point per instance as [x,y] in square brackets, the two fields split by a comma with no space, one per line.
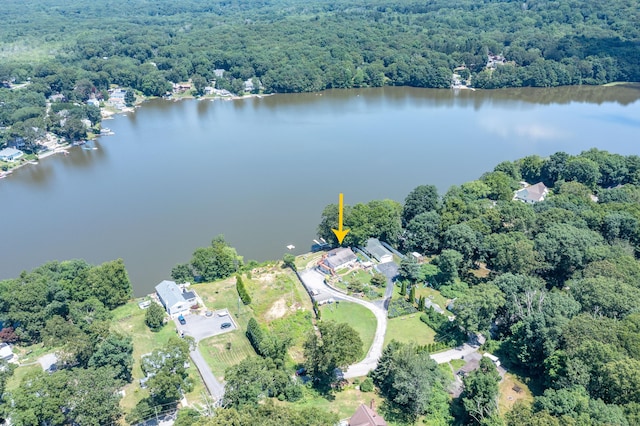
[213,385]
[314,280]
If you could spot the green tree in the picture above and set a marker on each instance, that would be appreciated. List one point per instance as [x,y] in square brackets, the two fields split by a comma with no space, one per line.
[409,269]
[423,233]
[337,346]
[480,396]
[378,280]
[116,352]
[411,381]
[476,309]
[217,261]
[449,263]
[289,261]
[154,317]
[110,283]
[421,199]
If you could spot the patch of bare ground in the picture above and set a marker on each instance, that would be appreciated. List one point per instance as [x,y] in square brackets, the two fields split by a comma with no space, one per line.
[277,310]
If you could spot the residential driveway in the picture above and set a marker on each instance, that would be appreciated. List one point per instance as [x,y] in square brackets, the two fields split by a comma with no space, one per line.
[200,326]
[389,270]
[455,353]
[314,280]
[215,388]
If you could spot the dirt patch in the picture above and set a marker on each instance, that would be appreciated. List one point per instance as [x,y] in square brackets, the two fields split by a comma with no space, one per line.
[267,278]
[277,310]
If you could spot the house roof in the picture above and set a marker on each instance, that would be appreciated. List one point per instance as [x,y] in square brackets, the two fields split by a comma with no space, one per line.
[8,152]
[376,249]
[365,416]
[170,293]
[534,193]
[188,295]
[339,256]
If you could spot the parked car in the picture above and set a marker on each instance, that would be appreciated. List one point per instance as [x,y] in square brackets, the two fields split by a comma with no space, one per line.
[208,313]
[225,325]
[182,320]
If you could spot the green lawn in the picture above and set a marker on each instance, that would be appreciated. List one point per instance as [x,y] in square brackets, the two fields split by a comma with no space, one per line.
[432,294]
[219,358]
[357,316]
[344,403]
[19,373]
[408,329]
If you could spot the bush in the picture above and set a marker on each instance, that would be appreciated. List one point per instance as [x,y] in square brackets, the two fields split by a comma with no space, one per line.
[399,307]
[367,385]
[242,291]
[154,317]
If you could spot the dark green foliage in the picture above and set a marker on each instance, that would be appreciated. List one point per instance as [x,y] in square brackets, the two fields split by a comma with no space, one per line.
[253,379]
[412,295]
[422,199]
[182,273]
[411,381]
[87,397]
[378,280]
[242,291]
[289,261]
[366,385]
[338,346]
[116,352]
[217,261]
[165,367]
[399,307]
[154,316]
[480,396]
[269,414]
[403,288]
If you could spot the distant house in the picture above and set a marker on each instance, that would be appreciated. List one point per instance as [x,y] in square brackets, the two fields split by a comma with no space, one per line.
[5,352]
[366,416]
[174,299]
[58,97]
[377,250]
[10,154]
[93,102]
[532,193]
[341,257]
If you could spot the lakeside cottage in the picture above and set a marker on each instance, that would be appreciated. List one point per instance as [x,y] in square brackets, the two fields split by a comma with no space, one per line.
[174,299]
[341,257]
[10,154]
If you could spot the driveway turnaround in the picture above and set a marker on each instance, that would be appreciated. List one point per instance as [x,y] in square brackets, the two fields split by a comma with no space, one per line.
[314,281]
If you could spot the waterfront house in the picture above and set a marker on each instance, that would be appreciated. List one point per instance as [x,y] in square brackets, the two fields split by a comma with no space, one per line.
[338,258]
[378,251]
[10,154]
[6,353]
[532,193]
[175,300]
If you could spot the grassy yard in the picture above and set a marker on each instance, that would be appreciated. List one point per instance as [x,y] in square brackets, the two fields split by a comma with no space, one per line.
[408,329]
[20,373]
[308,260]
[509,396]
[432,294]
[344,403]
[225,350]
[129,319]
[357,316]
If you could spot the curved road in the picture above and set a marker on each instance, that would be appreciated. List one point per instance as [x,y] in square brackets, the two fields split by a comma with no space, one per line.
[314,281]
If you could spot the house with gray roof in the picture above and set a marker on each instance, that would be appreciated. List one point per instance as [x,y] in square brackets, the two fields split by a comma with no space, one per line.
[10,154]
[532,193]
[341,257]
[378,251]
[174,299]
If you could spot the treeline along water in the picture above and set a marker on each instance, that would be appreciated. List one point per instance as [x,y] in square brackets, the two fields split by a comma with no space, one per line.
[261,170]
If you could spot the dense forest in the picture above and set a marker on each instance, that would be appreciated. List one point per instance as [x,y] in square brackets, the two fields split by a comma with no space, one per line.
[560,303]
[80,48]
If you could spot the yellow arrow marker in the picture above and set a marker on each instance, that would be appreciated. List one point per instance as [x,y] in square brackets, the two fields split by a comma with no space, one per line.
[340,233]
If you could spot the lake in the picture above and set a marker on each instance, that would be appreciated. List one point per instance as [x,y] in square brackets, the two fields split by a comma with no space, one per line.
[261,170]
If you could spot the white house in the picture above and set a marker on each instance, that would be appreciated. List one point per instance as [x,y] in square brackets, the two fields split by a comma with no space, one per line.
[174,299]
[532,193]
[10,154]
[377,250]
[5,352]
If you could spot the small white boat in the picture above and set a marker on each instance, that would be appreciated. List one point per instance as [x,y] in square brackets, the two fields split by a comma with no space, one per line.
[291,246]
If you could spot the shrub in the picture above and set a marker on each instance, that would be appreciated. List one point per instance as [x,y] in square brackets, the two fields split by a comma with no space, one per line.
[154,317]
[399,307]
[242,291]
[366,385]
